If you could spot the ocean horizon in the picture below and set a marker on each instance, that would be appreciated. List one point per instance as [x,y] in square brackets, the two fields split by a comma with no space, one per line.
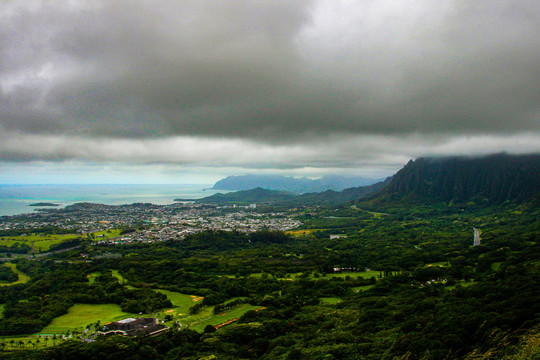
[16,199]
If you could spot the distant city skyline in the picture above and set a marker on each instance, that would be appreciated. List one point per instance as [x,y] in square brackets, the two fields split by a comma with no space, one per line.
[138,91]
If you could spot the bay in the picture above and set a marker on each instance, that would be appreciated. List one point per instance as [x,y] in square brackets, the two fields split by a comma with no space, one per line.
[15,199]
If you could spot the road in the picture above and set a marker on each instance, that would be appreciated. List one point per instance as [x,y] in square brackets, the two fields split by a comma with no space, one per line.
[476,237]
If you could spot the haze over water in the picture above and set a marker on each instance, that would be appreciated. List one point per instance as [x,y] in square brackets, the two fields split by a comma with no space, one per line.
[15,199]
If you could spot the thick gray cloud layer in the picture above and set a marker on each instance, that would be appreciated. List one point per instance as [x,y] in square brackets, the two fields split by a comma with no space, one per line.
[133,76]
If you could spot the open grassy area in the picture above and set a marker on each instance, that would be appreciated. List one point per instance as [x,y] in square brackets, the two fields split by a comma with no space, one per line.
[361,288]
[206,317]
[343,274]
[121,279]
[105,234]
[80,315]
[330,300]
[23,278]
[181,301]
[302,232]
[42,242]
[92,277]
[197,322]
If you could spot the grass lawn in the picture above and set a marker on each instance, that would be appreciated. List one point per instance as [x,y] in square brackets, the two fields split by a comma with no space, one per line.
[361,288]
[343,274]
[121,279]
[92,277]
[206,317]
[42,242]
[330,300]
[198,322]
[80,315]
[302,232]
[181,301]
[106,234]
[23,278]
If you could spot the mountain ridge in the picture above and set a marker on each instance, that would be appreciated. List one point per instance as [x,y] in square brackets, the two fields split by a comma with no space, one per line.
[291,184]
[489,179]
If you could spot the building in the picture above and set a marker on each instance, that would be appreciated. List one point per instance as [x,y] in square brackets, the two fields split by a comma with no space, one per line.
[134,327]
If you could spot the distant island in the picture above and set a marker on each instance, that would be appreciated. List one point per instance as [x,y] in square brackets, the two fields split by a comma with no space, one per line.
[43,204]
[291,184]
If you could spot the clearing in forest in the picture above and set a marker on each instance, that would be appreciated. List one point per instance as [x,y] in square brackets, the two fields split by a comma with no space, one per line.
[81,315]
[23,278]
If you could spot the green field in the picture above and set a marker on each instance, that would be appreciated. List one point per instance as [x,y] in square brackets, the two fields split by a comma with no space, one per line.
[330,300]
[206,317]
[23,278]
[361,288]
[80,315]
[92,277]
[302,232]
[42,242]
[121,279]
[343,274]
[181,301]
[105,234]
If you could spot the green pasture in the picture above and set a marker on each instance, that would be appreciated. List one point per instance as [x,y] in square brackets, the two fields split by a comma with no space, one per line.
[361,288]
[23,278]
[80,315]
[121,279]
[330,300]
[42,242]
[105,234]
[303,232]
[181,302]
[352,274]
[206,317]
[92,277]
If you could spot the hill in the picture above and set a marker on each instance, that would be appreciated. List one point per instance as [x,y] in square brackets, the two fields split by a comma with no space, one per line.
[490,179]
[260,195]
[291,184]
[256,195]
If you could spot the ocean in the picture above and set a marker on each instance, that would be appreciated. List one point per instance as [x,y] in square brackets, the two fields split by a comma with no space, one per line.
[15,199]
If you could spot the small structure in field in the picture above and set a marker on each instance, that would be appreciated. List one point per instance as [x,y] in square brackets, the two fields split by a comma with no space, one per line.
[134,327]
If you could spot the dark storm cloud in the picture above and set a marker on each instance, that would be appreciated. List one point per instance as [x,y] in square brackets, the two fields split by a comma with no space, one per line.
[269,69]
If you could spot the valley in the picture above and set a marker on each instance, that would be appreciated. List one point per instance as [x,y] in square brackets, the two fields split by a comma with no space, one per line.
[398,275]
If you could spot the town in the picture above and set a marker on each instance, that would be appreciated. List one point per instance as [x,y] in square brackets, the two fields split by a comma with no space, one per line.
[149,223]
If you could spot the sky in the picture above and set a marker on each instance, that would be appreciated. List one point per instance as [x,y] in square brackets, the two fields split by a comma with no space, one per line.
[132,91]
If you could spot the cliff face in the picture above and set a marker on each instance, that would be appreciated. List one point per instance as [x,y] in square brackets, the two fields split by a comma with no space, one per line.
[493,179]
